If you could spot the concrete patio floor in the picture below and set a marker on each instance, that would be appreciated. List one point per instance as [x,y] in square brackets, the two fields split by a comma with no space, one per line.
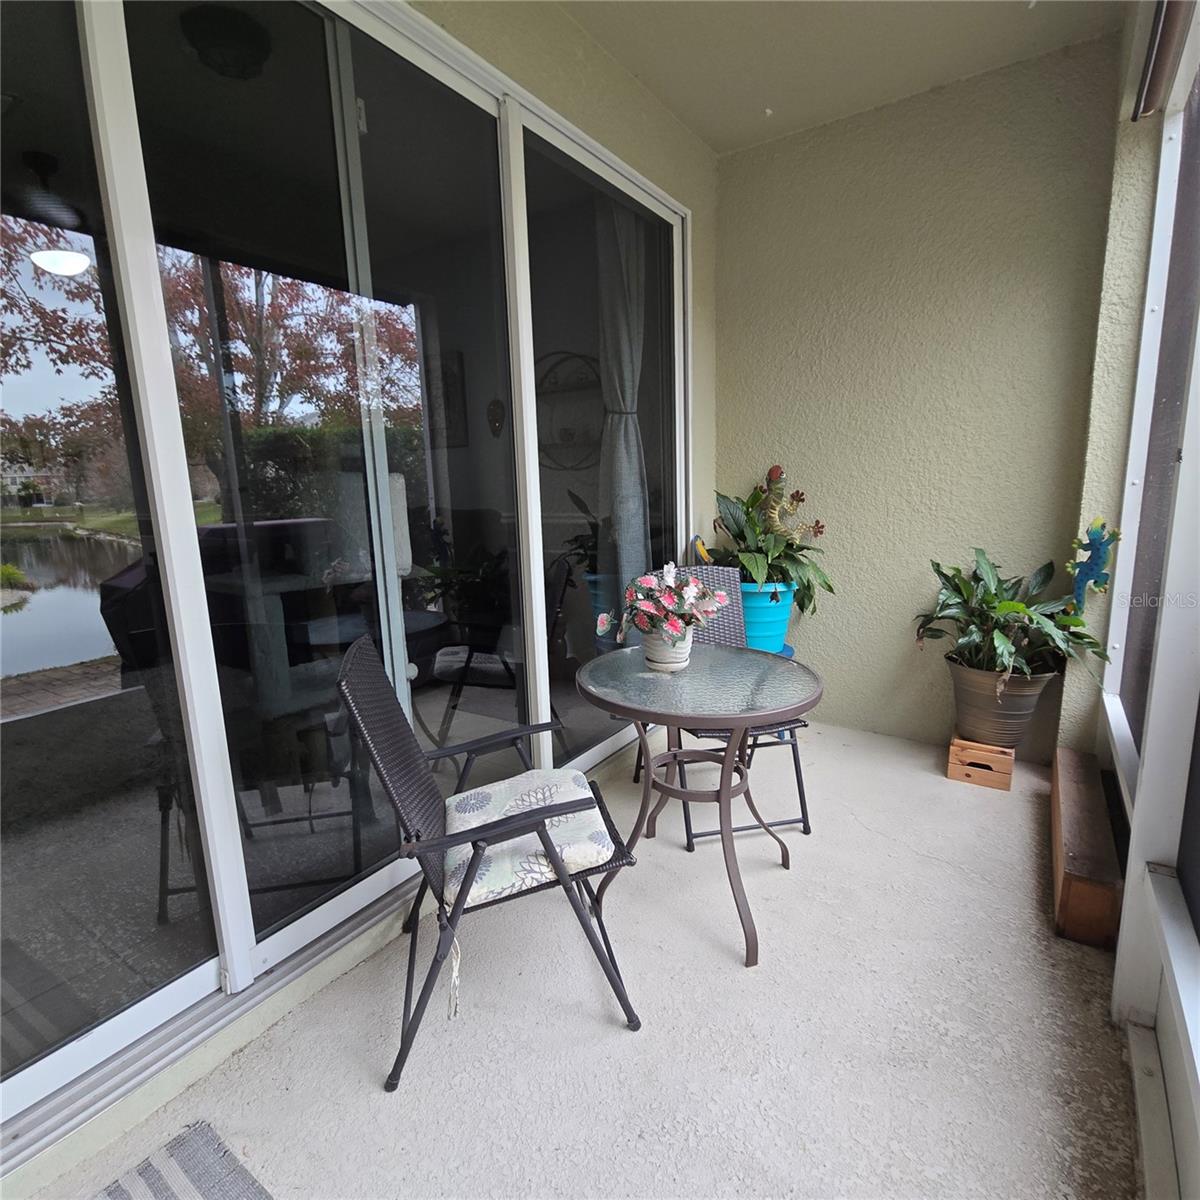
[914,1028]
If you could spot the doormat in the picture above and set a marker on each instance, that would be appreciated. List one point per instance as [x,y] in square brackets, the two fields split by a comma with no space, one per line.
[195,1165]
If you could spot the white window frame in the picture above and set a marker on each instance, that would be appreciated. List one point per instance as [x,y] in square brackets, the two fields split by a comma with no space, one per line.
[113,114]
[1126,759]
[1157,971]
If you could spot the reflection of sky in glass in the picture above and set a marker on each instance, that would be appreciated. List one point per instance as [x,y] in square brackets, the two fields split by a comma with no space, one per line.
[40,389]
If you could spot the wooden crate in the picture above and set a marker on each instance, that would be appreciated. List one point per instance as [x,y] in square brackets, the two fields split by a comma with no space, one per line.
[1087,873]
[975,762]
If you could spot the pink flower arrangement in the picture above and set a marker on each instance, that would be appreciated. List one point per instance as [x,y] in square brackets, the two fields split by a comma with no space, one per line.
[669,601]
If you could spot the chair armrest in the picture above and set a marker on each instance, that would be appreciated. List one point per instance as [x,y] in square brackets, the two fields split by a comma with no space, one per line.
[503,829]
[492,741]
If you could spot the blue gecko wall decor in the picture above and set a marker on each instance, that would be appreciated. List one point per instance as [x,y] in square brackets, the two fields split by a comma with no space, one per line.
[1092,570]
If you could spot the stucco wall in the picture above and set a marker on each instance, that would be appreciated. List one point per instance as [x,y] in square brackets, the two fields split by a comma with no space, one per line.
[1131,213]
[544,50]
[907,318]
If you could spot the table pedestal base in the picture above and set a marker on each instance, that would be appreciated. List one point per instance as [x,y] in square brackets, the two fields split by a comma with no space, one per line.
[660,776]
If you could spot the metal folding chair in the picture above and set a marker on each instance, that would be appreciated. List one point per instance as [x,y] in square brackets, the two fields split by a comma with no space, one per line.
[728,628]
[478,848]
[480,661]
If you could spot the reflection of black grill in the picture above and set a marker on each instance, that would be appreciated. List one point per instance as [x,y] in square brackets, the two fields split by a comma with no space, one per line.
[131,607]
[296,546]
[277,676]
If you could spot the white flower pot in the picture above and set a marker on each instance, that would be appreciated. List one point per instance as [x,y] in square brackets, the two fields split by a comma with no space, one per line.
[662,656]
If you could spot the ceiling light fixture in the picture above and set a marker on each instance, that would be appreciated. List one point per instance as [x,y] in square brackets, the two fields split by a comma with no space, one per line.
[61,262]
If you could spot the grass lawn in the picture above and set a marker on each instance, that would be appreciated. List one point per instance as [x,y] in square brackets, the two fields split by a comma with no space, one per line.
[18,521]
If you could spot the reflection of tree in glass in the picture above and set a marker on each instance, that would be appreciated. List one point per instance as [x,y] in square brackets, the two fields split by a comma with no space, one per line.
[294,346]
[303,361]
[303,357]
[57,322]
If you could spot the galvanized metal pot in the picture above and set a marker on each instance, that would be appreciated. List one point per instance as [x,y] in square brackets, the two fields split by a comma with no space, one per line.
[984,717]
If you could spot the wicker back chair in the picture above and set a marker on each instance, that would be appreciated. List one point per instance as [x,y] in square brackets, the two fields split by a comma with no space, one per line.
[728,628]
[542,829]
[392,746]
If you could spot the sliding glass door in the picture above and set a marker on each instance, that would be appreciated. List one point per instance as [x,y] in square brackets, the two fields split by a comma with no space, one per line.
[103,896]
[430,210]
[274,406]
[600,268]
[328,220]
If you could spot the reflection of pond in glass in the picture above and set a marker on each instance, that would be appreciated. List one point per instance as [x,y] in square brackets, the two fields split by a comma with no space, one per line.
[61,623]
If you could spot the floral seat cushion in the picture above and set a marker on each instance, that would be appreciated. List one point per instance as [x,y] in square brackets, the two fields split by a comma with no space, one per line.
[520,863]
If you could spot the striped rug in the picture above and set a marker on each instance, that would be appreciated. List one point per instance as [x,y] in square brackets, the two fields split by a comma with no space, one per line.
[196,1165]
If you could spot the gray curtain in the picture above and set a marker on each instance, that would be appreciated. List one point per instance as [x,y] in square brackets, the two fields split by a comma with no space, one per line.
[621,249]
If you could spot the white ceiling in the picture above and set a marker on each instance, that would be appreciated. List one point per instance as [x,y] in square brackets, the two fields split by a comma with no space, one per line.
[720,64]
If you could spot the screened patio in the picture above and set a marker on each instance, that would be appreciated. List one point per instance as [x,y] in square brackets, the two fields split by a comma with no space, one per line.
[440,327]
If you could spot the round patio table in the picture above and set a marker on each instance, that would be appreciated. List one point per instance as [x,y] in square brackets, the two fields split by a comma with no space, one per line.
[727,690]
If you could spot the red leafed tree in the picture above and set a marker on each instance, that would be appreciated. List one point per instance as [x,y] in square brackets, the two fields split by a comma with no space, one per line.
[293,353]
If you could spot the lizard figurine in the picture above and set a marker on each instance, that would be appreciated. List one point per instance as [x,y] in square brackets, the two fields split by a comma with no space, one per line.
[1092,570]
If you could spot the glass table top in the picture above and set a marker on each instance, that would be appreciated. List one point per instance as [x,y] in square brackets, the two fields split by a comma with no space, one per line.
[720,685]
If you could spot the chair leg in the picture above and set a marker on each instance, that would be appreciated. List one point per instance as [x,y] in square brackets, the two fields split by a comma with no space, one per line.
[455,696]
[410,1026]
[598,913]
[689,843]
[605,961]
[563,744]
[637,765]
[165,798]
[412,925]
[805,827]
[447,927]
[414,911]
[523,755]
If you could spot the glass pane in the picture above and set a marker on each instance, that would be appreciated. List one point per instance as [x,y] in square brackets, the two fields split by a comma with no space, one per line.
[335,408]
[275,361]
[104,896]
[600,267]
[430,188]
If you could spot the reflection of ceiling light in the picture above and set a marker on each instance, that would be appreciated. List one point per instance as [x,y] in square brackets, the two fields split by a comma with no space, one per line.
[226,40]
[61,262]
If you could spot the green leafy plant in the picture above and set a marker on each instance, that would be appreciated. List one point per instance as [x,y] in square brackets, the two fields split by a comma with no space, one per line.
[583,549]
[1001,625]
[475,592]
[769,543]
[14,578]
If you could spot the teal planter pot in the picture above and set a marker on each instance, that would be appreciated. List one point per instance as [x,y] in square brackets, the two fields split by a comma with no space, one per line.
[767,616]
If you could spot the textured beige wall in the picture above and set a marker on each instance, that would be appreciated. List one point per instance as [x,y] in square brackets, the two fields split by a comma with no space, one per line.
[1131,213]
[907,318]
[544,50]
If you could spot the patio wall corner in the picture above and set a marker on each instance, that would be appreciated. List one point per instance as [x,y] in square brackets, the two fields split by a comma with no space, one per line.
[908,303]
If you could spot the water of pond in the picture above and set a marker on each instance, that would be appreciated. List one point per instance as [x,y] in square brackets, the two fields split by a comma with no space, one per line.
[59,623]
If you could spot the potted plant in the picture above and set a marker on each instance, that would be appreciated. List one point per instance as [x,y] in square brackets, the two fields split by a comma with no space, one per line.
[583,549]
[1008,644]
[772,550]
[664,607]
